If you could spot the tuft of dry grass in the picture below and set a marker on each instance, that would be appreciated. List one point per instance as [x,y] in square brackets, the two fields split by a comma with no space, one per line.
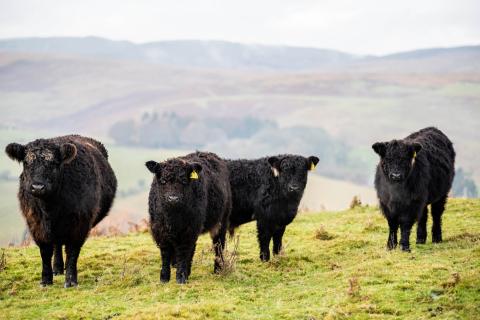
[230,258]
[322,234]
[353,287]
[453,281]
[356,202]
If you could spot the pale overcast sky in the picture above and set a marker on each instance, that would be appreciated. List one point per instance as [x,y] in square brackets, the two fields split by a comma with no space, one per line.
[362,27]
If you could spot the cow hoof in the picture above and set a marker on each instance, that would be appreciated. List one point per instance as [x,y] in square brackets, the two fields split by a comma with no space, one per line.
[164,280]
[57,272]
[406,249]
[182,279]
[70,284]
[44,284]
[391,246]
[421,241]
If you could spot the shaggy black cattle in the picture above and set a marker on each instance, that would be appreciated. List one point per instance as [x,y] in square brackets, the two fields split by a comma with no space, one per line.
[66,188]
[189,195]
[269,191]
[413,173]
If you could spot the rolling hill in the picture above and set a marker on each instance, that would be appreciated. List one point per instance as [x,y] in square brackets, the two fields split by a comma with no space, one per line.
[185,53]
[230,55]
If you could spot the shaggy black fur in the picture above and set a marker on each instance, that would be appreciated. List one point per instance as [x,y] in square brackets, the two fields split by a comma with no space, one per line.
[269,191]
[413,173]
[182,207]
[66,188]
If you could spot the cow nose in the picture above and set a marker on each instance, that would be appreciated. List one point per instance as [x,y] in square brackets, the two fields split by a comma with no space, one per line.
[172,198]
[293,187]
[38,186]
[395,176]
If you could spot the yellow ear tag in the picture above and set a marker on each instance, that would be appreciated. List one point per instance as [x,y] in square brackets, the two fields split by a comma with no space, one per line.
[312,166]
[414,154]
[194,175]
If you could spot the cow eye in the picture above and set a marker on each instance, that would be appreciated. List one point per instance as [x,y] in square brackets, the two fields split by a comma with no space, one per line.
[30,157]
[47,155]
[163,181]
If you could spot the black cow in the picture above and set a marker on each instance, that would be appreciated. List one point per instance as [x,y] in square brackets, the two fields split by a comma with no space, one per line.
[67,186]
[413,173]
[189,195]
[269,191]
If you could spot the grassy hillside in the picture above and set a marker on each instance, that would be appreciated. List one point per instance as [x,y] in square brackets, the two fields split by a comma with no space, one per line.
[334,266]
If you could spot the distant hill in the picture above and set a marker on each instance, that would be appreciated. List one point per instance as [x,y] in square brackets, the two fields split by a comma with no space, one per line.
[434,60]
[229,55]
[186,53]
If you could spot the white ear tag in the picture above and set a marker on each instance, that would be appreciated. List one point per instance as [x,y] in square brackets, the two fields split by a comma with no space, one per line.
[275,172]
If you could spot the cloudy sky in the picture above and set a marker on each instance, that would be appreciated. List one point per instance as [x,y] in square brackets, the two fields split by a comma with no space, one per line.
[362,27]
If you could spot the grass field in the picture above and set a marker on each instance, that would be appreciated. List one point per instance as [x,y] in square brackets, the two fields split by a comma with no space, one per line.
[334,266]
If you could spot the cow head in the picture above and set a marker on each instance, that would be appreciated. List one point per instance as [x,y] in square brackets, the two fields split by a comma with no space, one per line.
[177,180]
[43,164]
[397,158]
[291,171]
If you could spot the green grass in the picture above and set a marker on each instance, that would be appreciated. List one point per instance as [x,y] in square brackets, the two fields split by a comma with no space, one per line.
[119,276]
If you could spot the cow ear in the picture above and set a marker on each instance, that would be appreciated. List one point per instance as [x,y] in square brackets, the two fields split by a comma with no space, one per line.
[195,168]
[15,151]
[274,162]
[380,148]
[275,165]
[152,166]
[416,147]
[68,152]
[312,162]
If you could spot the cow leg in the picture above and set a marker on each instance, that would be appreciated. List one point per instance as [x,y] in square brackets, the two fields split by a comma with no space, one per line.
[58,265]
[406,224]
[277,240]
[184,254]
[437,211]
[219,245]
[392,226]
[422,227]
[190,260]
[392,240]
[46,251]
[72,252]
[264,237]
[167,253]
